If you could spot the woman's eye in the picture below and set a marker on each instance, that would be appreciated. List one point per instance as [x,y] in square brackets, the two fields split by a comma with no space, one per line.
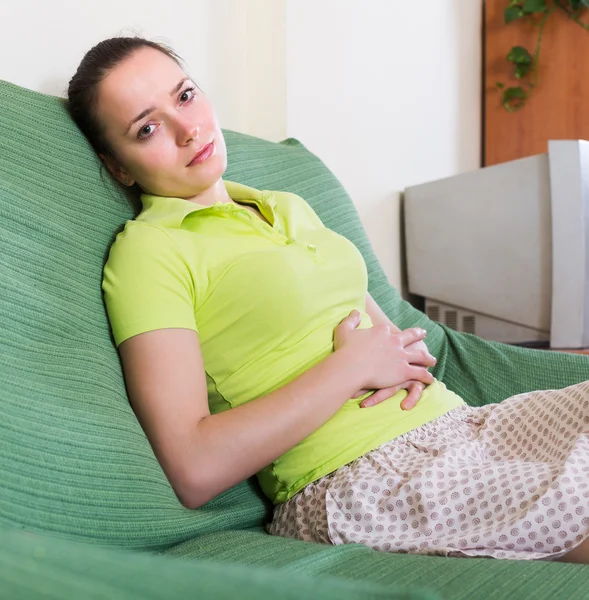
[187,95]
[146,131]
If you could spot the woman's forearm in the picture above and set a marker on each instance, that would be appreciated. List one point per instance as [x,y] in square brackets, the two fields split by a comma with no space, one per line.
[235,444]
[377,315]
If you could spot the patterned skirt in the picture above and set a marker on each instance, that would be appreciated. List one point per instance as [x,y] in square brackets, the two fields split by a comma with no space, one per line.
[507,480]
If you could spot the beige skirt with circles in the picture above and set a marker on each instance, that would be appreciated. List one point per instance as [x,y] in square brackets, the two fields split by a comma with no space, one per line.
[507,480]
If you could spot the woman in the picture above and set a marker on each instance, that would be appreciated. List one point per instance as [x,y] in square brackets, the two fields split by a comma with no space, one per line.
[250,345]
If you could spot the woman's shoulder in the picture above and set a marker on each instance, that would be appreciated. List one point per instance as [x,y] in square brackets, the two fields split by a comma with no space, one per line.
[140,241]
[143,234]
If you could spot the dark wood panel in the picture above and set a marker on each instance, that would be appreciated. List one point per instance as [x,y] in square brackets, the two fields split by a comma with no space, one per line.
[558,107]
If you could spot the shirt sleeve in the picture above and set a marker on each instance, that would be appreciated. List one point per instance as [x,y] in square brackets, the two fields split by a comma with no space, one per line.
[147,284]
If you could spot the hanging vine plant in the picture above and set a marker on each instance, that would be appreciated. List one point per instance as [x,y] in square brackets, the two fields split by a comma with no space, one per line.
[525,64]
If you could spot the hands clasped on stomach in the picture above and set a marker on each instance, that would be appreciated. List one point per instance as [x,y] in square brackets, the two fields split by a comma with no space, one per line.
[391,361]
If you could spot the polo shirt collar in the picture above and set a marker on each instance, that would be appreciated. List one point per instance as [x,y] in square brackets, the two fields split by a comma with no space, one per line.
[171,212]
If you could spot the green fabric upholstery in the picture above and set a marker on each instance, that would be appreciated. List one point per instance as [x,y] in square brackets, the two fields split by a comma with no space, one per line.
[451,578]
[37,566]
[77,471]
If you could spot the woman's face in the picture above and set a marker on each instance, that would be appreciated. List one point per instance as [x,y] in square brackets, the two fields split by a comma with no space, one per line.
[157,121]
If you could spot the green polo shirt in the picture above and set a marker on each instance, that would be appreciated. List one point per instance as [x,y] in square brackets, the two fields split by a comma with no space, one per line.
[265,300]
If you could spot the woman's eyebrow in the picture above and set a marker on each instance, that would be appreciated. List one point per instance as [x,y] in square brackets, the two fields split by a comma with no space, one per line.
[149,110]
[140,116]
[177,88]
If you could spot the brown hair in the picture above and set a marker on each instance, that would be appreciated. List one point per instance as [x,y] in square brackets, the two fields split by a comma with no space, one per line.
[83,86]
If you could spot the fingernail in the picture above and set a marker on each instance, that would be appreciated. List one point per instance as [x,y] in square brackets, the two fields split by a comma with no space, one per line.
[423,332]
[368,403]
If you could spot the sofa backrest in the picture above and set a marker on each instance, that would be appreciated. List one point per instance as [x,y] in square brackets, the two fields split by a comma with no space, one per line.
[75,460]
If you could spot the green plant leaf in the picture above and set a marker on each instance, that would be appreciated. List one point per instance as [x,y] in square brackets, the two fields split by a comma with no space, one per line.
[522,70]
[512,13]
[514,98]
[534,6]
[519,56]
[522,61]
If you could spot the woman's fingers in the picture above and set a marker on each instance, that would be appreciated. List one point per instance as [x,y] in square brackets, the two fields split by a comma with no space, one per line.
[382,395]
[359,393]
[411,335]
[420,374]
[422,358]
[352,320]
[344,329]
[414,389]
[414,395]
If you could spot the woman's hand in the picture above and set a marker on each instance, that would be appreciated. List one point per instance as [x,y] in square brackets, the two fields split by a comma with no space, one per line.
[397,359]
[414,388]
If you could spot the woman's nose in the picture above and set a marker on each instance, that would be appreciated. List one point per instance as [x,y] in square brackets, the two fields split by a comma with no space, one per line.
[188,131]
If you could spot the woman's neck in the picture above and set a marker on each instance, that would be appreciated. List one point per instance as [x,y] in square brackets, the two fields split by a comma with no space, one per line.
[212,195]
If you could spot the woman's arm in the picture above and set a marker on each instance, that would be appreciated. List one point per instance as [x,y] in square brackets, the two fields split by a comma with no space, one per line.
[203,454]
[377,315]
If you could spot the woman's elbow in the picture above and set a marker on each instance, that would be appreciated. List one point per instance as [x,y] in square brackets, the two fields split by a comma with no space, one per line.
[190,498]
[186,493]
[195,493]
[190,503]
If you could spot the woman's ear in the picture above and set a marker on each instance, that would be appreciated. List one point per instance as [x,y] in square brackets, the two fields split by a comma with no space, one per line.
[116,170]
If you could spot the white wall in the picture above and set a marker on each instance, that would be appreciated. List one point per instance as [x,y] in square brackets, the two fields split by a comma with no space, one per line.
[387,95]
[41,44]
[247,65]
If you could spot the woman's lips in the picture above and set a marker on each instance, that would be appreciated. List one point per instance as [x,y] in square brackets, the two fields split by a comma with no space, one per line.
[203,154]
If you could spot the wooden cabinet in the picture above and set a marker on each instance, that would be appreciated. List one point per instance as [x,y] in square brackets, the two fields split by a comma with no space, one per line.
[558,107]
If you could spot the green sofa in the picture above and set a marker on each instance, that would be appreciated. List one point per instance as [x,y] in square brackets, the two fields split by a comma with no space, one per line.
[85,509]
